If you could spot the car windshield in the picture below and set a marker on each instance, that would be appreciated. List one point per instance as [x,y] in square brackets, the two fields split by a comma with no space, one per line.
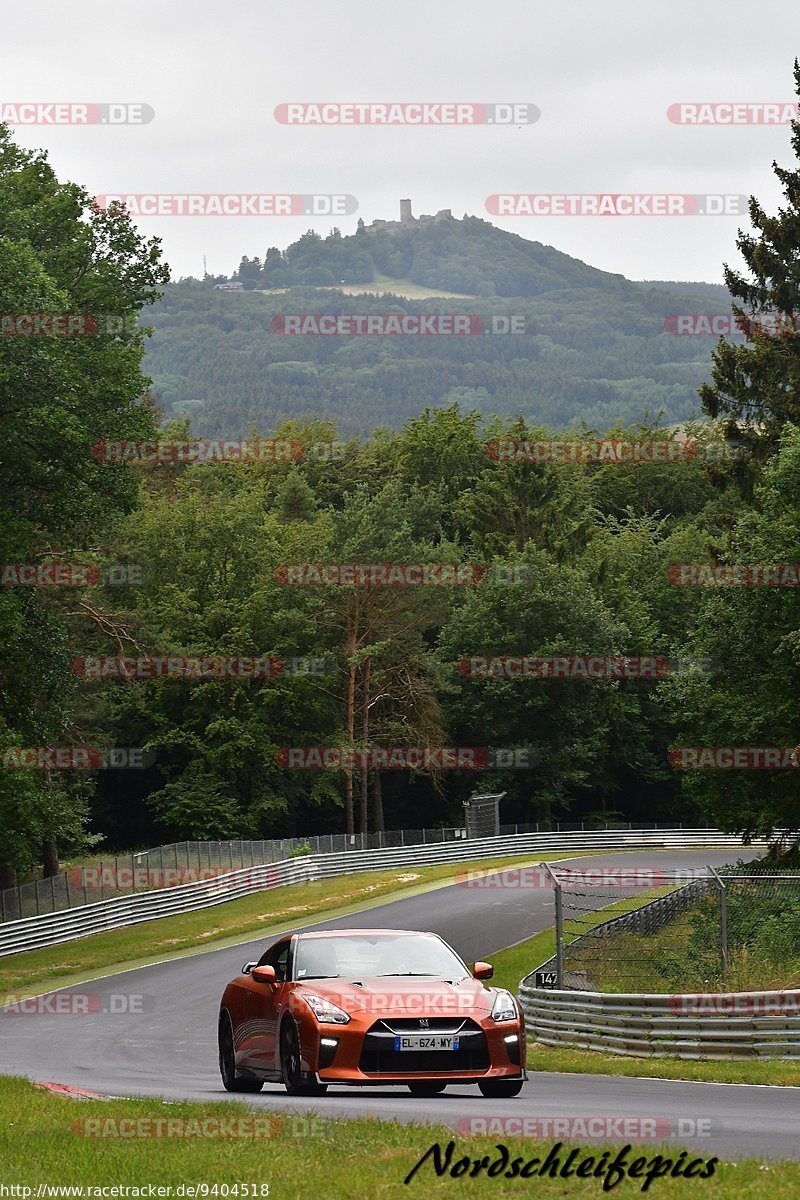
[376,955]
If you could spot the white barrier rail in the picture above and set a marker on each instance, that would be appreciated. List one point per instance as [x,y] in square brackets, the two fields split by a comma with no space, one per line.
[50,929]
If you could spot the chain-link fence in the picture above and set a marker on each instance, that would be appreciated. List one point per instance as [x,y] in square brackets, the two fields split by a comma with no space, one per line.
[186,862]
[482,815]
[634,930]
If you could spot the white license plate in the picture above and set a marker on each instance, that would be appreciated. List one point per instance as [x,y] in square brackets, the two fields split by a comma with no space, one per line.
[426,1041]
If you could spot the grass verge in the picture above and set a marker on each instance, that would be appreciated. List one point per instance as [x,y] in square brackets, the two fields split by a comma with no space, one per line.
[41,1142]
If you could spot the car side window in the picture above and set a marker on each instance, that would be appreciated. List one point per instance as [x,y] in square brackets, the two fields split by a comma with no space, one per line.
[277,957]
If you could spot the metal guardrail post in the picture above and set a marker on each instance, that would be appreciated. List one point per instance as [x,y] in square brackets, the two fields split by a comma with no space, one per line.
[723,924]
[559,924]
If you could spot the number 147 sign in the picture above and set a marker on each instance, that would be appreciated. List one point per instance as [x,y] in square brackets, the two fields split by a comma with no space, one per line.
[546,979]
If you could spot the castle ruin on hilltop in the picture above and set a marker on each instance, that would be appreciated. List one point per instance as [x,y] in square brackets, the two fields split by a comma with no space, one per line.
[407,220]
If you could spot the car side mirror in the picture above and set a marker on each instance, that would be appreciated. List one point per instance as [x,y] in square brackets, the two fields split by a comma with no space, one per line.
[248,966]
[263,975]
[482,970]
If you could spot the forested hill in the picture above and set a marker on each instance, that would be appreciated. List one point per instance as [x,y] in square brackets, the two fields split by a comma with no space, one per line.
[594,347]
[470,256]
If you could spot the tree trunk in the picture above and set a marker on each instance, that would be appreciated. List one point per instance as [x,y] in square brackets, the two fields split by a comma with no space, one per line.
[351,725]
[8,877]
[365,739]
[377,804]
[50,864]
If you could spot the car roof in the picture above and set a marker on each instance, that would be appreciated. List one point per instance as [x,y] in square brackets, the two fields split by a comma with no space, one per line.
[332,933]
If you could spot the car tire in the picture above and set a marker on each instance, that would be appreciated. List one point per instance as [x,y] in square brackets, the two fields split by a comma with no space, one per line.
[427,1087]
[291,1073]
[232,1081]
[501,1089]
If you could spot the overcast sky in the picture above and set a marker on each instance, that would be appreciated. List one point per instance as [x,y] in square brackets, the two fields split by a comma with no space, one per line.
[602,74]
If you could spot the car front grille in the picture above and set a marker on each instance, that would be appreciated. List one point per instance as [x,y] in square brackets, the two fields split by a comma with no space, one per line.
[379,1057]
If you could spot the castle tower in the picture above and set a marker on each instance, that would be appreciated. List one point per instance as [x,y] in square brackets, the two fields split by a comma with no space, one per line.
[406,216]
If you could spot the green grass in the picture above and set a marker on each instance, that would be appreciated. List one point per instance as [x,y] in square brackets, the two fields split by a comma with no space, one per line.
[511,965]
[780,1072]
[304,1157]
[228,923]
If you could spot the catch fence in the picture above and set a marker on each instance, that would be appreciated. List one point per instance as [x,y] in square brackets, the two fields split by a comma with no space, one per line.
[629,930]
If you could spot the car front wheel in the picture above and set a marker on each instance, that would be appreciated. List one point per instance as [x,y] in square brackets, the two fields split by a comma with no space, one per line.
[291,1068]
[425,1088]
[231,1080]
[500,1089]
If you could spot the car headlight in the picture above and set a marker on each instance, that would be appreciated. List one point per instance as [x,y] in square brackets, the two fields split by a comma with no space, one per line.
[504,1007]
[325,1011]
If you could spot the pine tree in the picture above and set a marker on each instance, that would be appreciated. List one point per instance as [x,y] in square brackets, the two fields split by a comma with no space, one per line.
[756,388]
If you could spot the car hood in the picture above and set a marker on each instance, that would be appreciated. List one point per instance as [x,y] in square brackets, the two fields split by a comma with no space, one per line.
[403,996]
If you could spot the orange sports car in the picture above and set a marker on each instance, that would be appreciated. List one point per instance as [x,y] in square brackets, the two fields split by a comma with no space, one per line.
[368,1006]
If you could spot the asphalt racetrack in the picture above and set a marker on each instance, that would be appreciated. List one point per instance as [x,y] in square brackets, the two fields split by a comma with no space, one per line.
[168,1049]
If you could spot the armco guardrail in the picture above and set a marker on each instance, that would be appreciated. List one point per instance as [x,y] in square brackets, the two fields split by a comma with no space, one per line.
[187,862]
[732,1025]
[52,928]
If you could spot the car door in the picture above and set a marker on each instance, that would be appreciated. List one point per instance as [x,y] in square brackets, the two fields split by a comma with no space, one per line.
[265,1000]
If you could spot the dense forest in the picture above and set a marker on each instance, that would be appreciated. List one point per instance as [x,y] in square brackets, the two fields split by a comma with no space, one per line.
[583,357]
[197,559]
